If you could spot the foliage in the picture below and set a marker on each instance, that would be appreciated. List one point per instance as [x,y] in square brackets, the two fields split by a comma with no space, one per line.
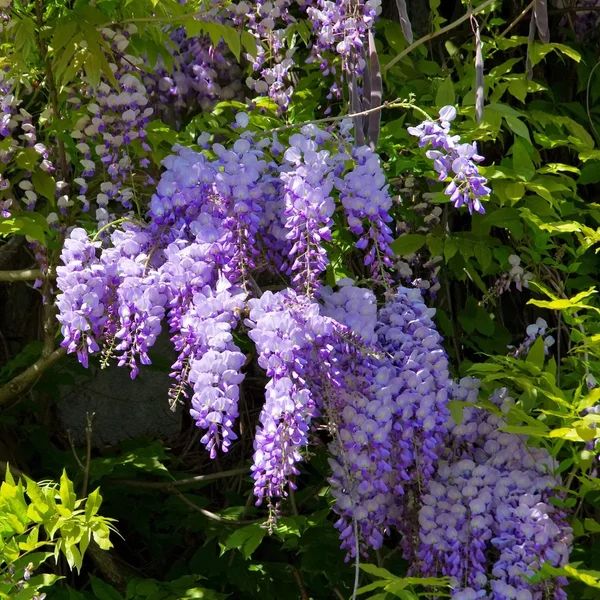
[41,521]
[513,284]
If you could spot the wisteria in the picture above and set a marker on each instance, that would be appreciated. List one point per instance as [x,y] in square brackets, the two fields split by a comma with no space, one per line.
[453,160]
[487,519]
[237,181]
[374,379]
[308,208]
[342,26]
[366,200]
[533,331]
[201,75]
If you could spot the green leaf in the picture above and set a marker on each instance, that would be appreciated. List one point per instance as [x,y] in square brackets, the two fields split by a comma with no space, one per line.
[503,109]
[93,70]
[246,540]
[398,589]
[92,504]
[103,591]
[592,525]
[450,248]
[67,493]
[456,410]
[249,43]
[536,355]
[566,433]
[531,430]
[44,184]
[27,159]
[560,304]
[73,556]
[408,244]
[63,34]
[508,218]
[371,586]
[483,254]
[517,127]
[232,39]
[522,164]
[379,572]
[24,36]
[32,224]
[445,95]
[101,533]
[537,52]
[590,173]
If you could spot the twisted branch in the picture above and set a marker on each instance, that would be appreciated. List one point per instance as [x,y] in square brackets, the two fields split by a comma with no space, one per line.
[431,36]
[28,378]
[21,275]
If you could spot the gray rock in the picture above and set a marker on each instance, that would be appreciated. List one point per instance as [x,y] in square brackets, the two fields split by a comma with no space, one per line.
[124,408]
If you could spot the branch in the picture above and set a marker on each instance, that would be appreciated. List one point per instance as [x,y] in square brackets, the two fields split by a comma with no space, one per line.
[398,103]
[23,275]
[523,13]
[88,455]
[431,36]
[212,515]
[303,593]
[189,481]
[115,573]
[24,381]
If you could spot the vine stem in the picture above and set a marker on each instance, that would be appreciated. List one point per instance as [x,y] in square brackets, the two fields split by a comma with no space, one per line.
[357,560]
[25,380]
[88,455]
[179,482]
[521,15]
[211,515]
[431,36]
[23,275]
[111,224]
[398,103]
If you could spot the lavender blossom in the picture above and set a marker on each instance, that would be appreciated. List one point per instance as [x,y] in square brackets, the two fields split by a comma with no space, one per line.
[453,161]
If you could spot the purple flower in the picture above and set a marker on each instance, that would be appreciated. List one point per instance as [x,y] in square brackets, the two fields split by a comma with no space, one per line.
[453,161]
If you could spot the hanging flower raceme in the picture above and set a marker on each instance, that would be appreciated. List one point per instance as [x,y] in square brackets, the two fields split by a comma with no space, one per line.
[487,519]
[112,138]
[366,200]
[201,75]
[81,306]
[375,380]
[214,368]
[454,161]
[308,207]
[419,380]
[286,329]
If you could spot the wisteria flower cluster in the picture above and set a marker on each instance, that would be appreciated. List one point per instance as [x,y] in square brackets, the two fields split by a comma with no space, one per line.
[209,222]
[202,74]
[375,378]
[517,275]
[18,132]
[111,136]
[341,38]
[342,27]
[533,331]
[454,161]
[487,519]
